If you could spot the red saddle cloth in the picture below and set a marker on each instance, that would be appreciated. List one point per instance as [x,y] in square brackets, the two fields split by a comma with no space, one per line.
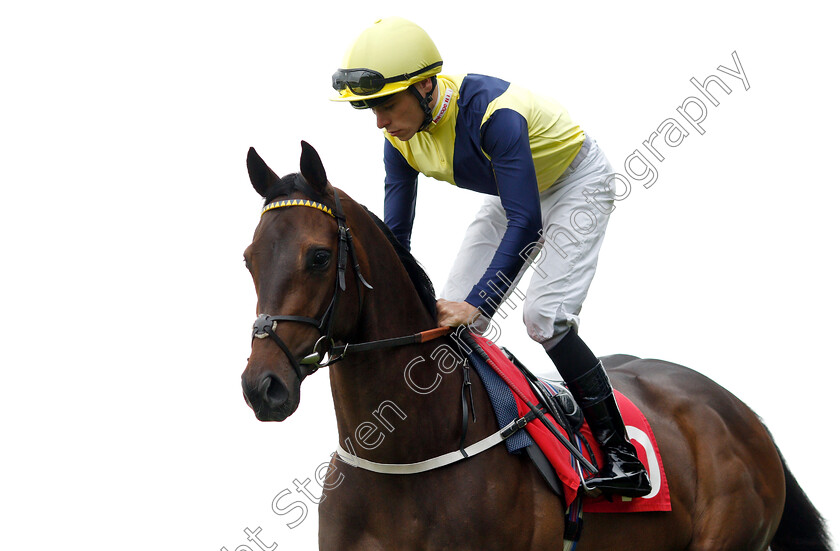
[564,464]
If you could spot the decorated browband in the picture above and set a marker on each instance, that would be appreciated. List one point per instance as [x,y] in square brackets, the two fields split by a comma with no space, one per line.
[297,203]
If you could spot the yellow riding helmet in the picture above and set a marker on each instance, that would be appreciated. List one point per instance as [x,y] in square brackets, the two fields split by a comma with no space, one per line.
[386,58]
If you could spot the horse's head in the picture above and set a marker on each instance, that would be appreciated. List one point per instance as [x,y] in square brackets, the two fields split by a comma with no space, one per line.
[308,292]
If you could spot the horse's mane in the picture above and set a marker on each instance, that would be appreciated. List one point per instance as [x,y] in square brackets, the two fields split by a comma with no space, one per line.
[290,183]
[418,275]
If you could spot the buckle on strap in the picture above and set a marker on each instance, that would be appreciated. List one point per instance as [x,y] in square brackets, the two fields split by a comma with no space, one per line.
[514,426]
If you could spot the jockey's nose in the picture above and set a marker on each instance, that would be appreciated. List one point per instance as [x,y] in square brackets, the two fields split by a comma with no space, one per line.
[381,120]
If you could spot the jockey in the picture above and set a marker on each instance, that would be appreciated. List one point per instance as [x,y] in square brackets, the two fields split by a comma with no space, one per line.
[548,187]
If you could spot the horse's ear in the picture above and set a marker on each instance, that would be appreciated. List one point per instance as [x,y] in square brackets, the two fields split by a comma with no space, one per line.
[312,168]
[262,177]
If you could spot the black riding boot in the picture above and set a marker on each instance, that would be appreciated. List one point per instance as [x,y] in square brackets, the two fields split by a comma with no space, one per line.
[622,473]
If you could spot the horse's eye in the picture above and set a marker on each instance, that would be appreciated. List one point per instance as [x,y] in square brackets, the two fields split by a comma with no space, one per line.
[321,259]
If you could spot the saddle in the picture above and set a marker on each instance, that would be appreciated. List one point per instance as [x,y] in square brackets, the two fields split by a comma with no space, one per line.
[563,469]
[554,395]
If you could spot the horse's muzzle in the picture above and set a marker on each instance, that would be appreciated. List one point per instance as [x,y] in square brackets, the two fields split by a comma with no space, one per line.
[269,397]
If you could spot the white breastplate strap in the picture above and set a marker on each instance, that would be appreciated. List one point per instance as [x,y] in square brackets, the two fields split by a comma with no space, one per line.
[435,462]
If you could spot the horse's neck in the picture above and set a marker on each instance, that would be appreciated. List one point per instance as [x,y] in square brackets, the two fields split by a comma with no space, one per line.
[398,404]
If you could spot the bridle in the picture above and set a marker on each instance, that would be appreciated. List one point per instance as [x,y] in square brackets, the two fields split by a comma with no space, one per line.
[322,352]
[325,353]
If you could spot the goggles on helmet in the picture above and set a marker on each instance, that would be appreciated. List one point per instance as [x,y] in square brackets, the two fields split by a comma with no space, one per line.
[364,82]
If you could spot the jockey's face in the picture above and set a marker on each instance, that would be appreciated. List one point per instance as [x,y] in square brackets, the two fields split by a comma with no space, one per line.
[401,115]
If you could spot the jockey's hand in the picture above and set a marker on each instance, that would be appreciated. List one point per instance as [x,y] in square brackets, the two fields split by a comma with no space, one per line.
[453,314]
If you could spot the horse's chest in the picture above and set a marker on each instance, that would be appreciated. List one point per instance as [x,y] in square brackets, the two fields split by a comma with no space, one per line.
[469,507]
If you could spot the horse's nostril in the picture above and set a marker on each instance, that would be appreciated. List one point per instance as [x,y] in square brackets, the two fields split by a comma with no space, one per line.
[273,391]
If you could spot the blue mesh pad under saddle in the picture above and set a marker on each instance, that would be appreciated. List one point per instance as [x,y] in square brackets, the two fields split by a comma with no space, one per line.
[504,405]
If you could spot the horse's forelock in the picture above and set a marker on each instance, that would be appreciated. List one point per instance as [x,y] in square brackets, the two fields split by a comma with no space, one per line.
[287,185]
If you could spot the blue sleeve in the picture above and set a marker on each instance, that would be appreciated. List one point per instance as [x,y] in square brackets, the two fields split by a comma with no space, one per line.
[400,194]
[505,139]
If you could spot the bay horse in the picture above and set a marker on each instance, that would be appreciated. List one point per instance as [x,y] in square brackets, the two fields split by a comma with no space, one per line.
[327,271]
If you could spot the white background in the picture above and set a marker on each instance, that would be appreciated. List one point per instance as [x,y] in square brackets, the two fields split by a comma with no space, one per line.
[126,308]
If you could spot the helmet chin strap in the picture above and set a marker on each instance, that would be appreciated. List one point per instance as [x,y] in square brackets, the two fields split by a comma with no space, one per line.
[425,103]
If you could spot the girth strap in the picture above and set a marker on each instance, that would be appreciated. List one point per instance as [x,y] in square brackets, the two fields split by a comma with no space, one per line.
[582,461]
[439,461]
